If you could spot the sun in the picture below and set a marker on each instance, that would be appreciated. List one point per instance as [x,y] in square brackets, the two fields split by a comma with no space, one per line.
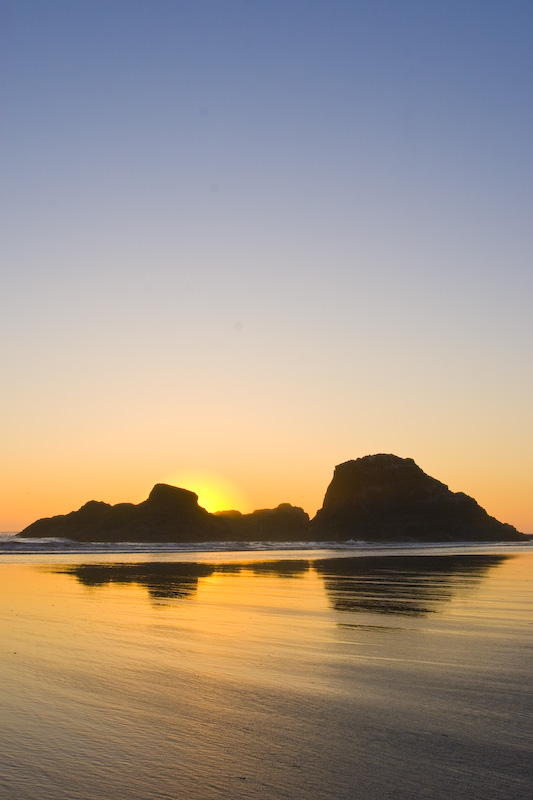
[215,493]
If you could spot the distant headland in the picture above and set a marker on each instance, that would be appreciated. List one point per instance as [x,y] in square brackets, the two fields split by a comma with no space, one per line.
[377,498]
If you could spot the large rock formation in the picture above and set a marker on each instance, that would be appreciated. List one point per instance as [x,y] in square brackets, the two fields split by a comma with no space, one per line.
[387,498]
[168,515]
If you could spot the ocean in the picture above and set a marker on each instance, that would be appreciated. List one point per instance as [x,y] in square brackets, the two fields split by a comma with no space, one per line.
[311,672]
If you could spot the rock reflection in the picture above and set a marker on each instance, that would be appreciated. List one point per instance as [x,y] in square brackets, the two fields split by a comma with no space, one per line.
[409,585]
[175,580]
[162,580]
[280,569]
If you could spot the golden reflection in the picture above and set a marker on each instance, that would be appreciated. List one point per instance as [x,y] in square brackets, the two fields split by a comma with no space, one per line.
[274,623]
[495,604]
[249,623]
[198,672]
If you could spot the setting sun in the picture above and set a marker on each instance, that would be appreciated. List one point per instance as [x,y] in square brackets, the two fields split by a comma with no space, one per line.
[214,492]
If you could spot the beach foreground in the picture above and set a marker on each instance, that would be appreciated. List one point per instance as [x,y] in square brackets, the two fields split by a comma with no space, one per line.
[267,675]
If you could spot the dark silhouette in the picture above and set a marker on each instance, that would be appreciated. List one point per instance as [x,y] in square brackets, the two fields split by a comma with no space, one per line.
[380,498]
[386,498]
[168,515]
[285,523]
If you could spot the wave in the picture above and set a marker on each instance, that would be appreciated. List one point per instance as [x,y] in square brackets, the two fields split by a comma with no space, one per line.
[9,544]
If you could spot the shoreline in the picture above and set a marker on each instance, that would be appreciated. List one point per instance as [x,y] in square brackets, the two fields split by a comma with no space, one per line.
[13,551]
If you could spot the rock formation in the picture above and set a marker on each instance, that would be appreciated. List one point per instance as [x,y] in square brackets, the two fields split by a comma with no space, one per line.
[171,514]
[387,498]
[379,498]
[168,515]
[285,523]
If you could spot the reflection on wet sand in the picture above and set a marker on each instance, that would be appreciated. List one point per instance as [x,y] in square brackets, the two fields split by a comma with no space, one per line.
[161,580]
[292,568]
[409,585]
[259,678]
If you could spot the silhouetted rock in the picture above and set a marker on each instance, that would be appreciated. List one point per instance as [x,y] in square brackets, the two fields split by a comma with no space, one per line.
[168,515]
[285,523]
[171,514]
[376,498]
[387,498]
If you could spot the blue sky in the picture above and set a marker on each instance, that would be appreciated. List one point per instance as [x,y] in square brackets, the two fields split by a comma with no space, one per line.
[260,239]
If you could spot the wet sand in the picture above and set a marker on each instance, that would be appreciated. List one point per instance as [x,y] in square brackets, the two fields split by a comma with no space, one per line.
[288,676]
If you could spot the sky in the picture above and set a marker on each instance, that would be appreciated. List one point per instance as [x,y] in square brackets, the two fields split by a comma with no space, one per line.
[244,242]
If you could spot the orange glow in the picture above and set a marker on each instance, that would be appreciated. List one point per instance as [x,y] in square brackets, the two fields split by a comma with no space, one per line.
[40,486]
[214,492]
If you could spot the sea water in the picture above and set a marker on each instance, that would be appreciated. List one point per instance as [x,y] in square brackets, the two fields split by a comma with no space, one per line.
[331,674]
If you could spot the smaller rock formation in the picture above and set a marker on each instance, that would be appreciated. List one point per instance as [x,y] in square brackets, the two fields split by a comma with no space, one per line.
[387,498]
[285,523]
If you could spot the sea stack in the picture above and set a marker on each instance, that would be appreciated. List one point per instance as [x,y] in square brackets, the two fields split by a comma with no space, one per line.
[384,498]
[169,514]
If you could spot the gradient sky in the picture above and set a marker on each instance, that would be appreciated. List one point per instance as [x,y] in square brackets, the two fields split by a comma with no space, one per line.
[247,241]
